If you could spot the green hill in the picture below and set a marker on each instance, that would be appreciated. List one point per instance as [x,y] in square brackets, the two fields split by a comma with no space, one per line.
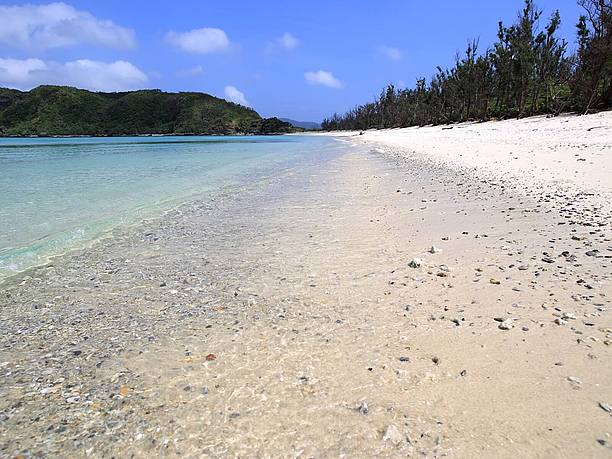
[61,110]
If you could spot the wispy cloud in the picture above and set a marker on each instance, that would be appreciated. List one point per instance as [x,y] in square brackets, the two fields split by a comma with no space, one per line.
[392,53]
[82,73]
[287,41]
[200,41]
[234,95]
[191,72]
[55,25]
[323,78]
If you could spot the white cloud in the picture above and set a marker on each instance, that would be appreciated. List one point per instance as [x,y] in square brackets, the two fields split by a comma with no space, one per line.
[200,41]
[287,41]
[57,25]
[234,95]
[392,53]
[323,78]
[82,73]
[191,72]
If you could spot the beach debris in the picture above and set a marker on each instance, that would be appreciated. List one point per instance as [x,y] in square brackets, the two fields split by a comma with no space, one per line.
[434,249]
[575,382]
[363,408]
[436,360]
[393,435]
[124,391]
[506,324]
[211,357]
[404,359]
[415,263]
[494,281]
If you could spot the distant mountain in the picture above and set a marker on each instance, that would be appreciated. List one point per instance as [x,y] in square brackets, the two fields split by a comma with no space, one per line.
[302,124]
[62,110]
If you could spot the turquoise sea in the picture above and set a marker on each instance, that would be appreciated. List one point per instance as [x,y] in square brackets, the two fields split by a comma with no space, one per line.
[57,194]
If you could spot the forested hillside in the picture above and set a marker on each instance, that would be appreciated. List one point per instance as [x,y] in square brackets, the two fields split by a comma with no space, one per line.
[60,110]
[527,71]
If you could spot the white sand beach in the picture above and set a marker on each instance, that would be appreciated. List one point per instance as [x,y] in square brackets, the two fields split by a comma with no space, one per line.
[573,153]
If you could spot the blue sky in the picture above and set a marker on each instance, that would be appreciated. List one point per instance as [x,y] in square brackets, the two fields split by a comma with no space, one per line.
[302,60]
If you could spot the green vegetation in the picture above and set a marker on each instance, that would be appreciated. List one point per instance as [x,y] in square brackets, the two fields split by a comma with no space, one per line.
[60,110]
[526,72]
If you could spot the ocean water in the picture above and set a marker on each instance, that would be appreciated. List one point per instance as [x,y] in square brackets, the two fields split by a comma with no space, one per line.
[62,193]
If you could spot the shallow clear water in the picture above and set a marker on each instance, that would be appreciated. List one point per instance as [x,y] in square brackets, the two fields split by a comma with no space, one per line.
[58,194]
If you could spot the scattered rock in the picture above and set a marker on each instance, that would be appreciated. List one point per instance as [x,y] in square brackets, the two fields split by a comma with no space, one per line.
[393,435]
[415,263]
[606,407]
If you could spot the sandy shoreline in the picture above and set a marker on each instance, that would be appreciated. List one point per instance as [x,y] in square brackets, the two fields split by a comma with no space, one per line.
[286,321]
[572,153]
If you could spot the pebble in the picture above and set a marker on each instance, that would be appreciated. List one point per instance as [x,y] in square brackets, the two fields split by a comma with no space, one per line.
[393,435]
[363,408]
[606,407]
[434,249]
[506,324]
[415,263]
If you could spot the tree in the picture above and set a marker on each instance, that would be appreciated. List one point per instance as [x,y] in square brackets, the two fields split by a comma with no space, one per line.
[592,84]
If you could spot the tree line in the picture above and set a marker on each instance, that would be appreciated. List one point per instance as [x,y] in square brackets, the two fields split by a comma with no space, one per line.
[527,71]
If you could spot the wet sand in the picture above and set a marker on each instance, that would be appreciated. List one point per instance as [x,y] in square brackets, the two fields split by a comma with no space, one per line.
[285,321]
